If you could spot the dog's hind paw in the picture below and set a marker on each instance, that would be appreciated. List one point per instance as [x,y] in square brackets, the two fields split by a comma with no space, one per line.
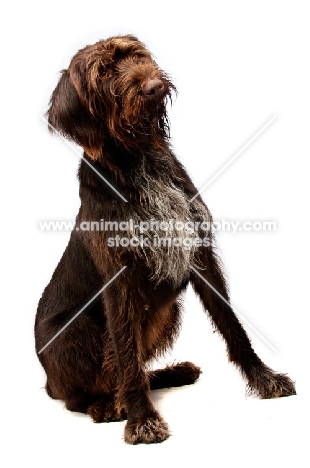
[149,430]
[106,410]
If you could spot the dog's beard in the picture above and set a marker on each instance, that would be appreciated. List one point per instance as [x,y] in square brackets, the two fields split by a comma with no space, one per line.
[134,118]
[140,119]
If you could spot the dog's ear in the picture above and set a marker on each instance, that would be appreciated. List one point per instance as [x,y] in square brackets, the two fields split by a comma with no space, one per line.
[68,115]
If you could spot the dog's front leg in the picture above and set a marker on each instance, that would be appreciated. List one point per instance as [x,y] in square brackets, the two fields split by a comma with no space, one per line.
[261,379]
[124,311]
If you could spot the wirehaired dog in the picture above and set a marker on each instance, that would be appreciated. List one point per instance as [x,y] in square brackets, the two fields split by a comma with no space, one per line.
[112,102]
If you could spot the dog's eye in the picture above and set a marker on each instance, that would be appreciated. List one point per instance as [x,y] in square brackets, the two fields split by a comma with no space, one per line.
[106,74]
[138,57]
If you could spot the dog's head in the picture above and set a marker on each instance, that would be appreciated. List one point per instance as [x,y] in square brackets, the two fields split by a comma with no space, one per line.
[112,90]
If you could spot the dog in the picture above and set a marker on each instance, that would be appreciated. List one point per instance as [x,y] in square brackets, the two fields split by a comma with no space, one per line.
[113,303]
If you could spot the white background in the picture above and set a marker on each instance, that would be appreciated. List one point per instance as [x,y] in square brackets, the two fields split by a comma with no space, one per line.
[236,65]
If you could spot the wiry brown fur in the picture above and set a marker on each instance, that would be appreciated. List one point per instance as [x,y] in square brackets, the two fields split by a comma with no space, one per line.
[112,102]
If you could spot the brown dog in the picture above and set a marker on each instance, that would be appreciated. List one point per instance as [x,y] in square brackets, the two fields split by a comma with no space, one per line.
[112,102]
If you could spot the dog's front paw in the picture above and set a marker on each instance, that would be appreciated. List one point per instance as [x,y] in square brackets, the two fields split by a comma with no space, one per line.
[278,386]
[146,431]
[268,384]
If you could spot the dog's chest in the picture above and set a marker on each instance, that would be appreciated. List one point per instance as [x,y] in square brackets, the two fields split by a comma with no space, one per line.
[166,228]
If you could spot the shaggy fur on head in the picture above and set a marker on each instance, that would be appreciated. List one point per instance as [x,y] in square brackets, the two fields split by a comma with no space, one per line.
[112,102]
[82,108]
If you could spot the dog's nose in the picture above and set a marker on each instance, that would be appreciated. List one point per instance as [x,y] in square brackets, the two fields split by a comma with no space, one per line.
[154,87]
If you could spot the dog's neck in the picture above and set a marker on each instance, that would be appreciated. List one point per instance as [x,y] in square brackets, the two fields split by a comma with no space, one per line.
[123,168]
[115,157]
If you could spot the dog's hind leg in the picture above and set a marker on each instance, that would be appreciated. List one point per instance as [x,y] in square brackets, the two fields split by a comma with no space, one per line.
[183,373]
[261,379]
[81,370]
[106,408]
[101,408]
